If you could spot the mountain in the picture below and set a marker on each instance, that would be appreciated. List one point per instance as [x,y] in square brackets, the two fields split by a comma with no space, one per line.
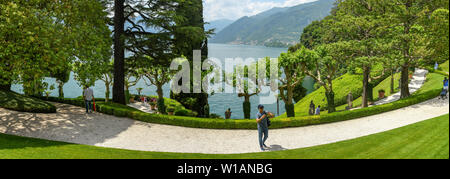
[218,25]
[275,27]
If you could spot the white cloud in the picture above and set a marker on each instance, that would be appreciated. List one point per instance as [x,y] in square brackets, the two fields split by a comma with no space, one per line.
[234,9]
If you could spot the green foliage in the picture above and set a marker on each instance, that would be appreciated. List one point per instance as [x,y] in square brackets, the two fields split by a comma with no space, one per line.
[290,64]
[17,102]
[181,112]
[439,34]
[312,35]
[77,29]
[299,93]
[445,66]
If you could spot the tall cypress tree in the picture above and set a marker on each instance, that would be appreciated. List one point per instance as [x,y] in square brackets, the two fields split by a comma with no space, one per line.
[186,43]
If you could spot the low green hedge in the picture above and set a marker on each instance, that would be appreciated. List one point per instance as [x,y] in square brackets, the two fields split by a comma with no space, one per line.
[22,103]
[430,90]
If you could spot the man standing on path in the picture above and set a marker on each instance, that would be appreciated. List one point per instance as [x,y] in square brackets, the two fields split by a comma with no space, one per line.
[262,118]
[88,96]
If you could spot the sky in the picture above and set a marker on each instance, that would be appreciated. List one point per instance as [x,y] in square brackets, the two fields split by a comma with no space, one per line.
[235,9]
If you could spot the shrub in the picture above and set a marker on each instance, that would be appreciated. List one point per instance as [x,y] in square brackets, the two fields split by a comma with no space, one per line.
[120,112]
[181,112]
[170,109]
[430,90]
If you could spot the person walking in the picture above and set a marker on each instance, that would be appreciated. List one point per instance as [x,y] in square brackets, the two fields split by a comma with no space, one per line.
[88,96]
[262,119]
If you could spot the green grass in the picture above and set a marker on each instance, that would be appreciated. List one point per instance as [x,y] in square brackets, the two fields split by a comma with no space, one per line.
[385,85]
[341,87]
[17,102]
[444,67]
[425,140]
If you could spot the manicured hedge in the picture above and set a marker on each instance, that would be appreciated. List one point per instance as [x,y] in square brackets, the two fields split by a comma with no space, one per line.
[22,103]
[430,90]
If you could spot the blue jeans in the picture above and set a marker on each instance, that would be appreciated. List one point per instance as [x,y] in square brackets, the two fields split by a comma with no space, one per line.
[263,134]
[88,106]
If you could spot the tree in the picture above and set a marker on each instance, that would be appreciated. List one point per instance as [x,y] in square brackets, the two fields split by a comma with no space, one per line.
[363,25]
[119,52]
[107,76]
[127,12]
[246,85]
[62,77]
[158,75]
[293,76]
[39,38]
[189,36]
[438,32]
[311,36]
[407,19]
[322,64]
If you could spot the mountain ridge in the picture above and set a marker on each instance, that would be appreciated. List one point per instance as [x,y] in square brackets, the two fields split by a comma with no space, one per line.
[277,27]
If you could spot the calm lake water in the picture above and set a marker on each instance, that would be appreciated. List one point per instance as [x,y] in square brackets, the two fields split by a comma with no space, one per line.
[219,103]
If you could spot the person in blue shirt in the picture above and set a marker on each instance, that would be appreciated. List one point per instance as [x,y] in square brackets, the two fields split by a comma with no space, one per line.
[262,118]
[446,84]
[318,110]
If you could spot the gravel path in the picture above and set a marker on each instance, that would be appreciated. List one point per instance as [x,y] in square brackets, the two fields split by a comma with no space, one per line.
[419,78]
[71,124]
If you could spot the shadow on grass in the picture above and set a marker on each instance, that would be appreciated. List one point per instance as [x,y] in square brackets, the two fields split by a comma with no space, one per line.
[16,142]
[17,102]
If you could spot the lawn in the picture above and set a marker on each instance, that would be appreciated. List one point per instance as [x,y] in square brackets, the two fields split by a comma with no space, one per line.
[425,140]
[444,67]
[342,86]
[17,102]
[385,85]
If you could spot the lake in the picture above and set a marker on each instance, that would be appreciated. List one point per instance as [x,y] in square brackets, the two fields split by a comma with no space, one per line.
[219,103]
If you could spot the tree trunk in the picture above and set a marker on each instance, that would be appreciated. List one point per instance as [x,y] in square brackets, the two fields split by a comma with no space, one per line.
[370,91]
[119,53]
[330,101]
[161,105]
[61,89]
[405,82]
[289,106]
[392,82]
[107,92]
[365,95]
[247,107]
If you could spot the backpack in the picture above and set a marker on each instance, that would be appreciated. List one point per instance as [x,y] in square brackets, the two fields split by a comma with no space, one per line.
[269,123]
